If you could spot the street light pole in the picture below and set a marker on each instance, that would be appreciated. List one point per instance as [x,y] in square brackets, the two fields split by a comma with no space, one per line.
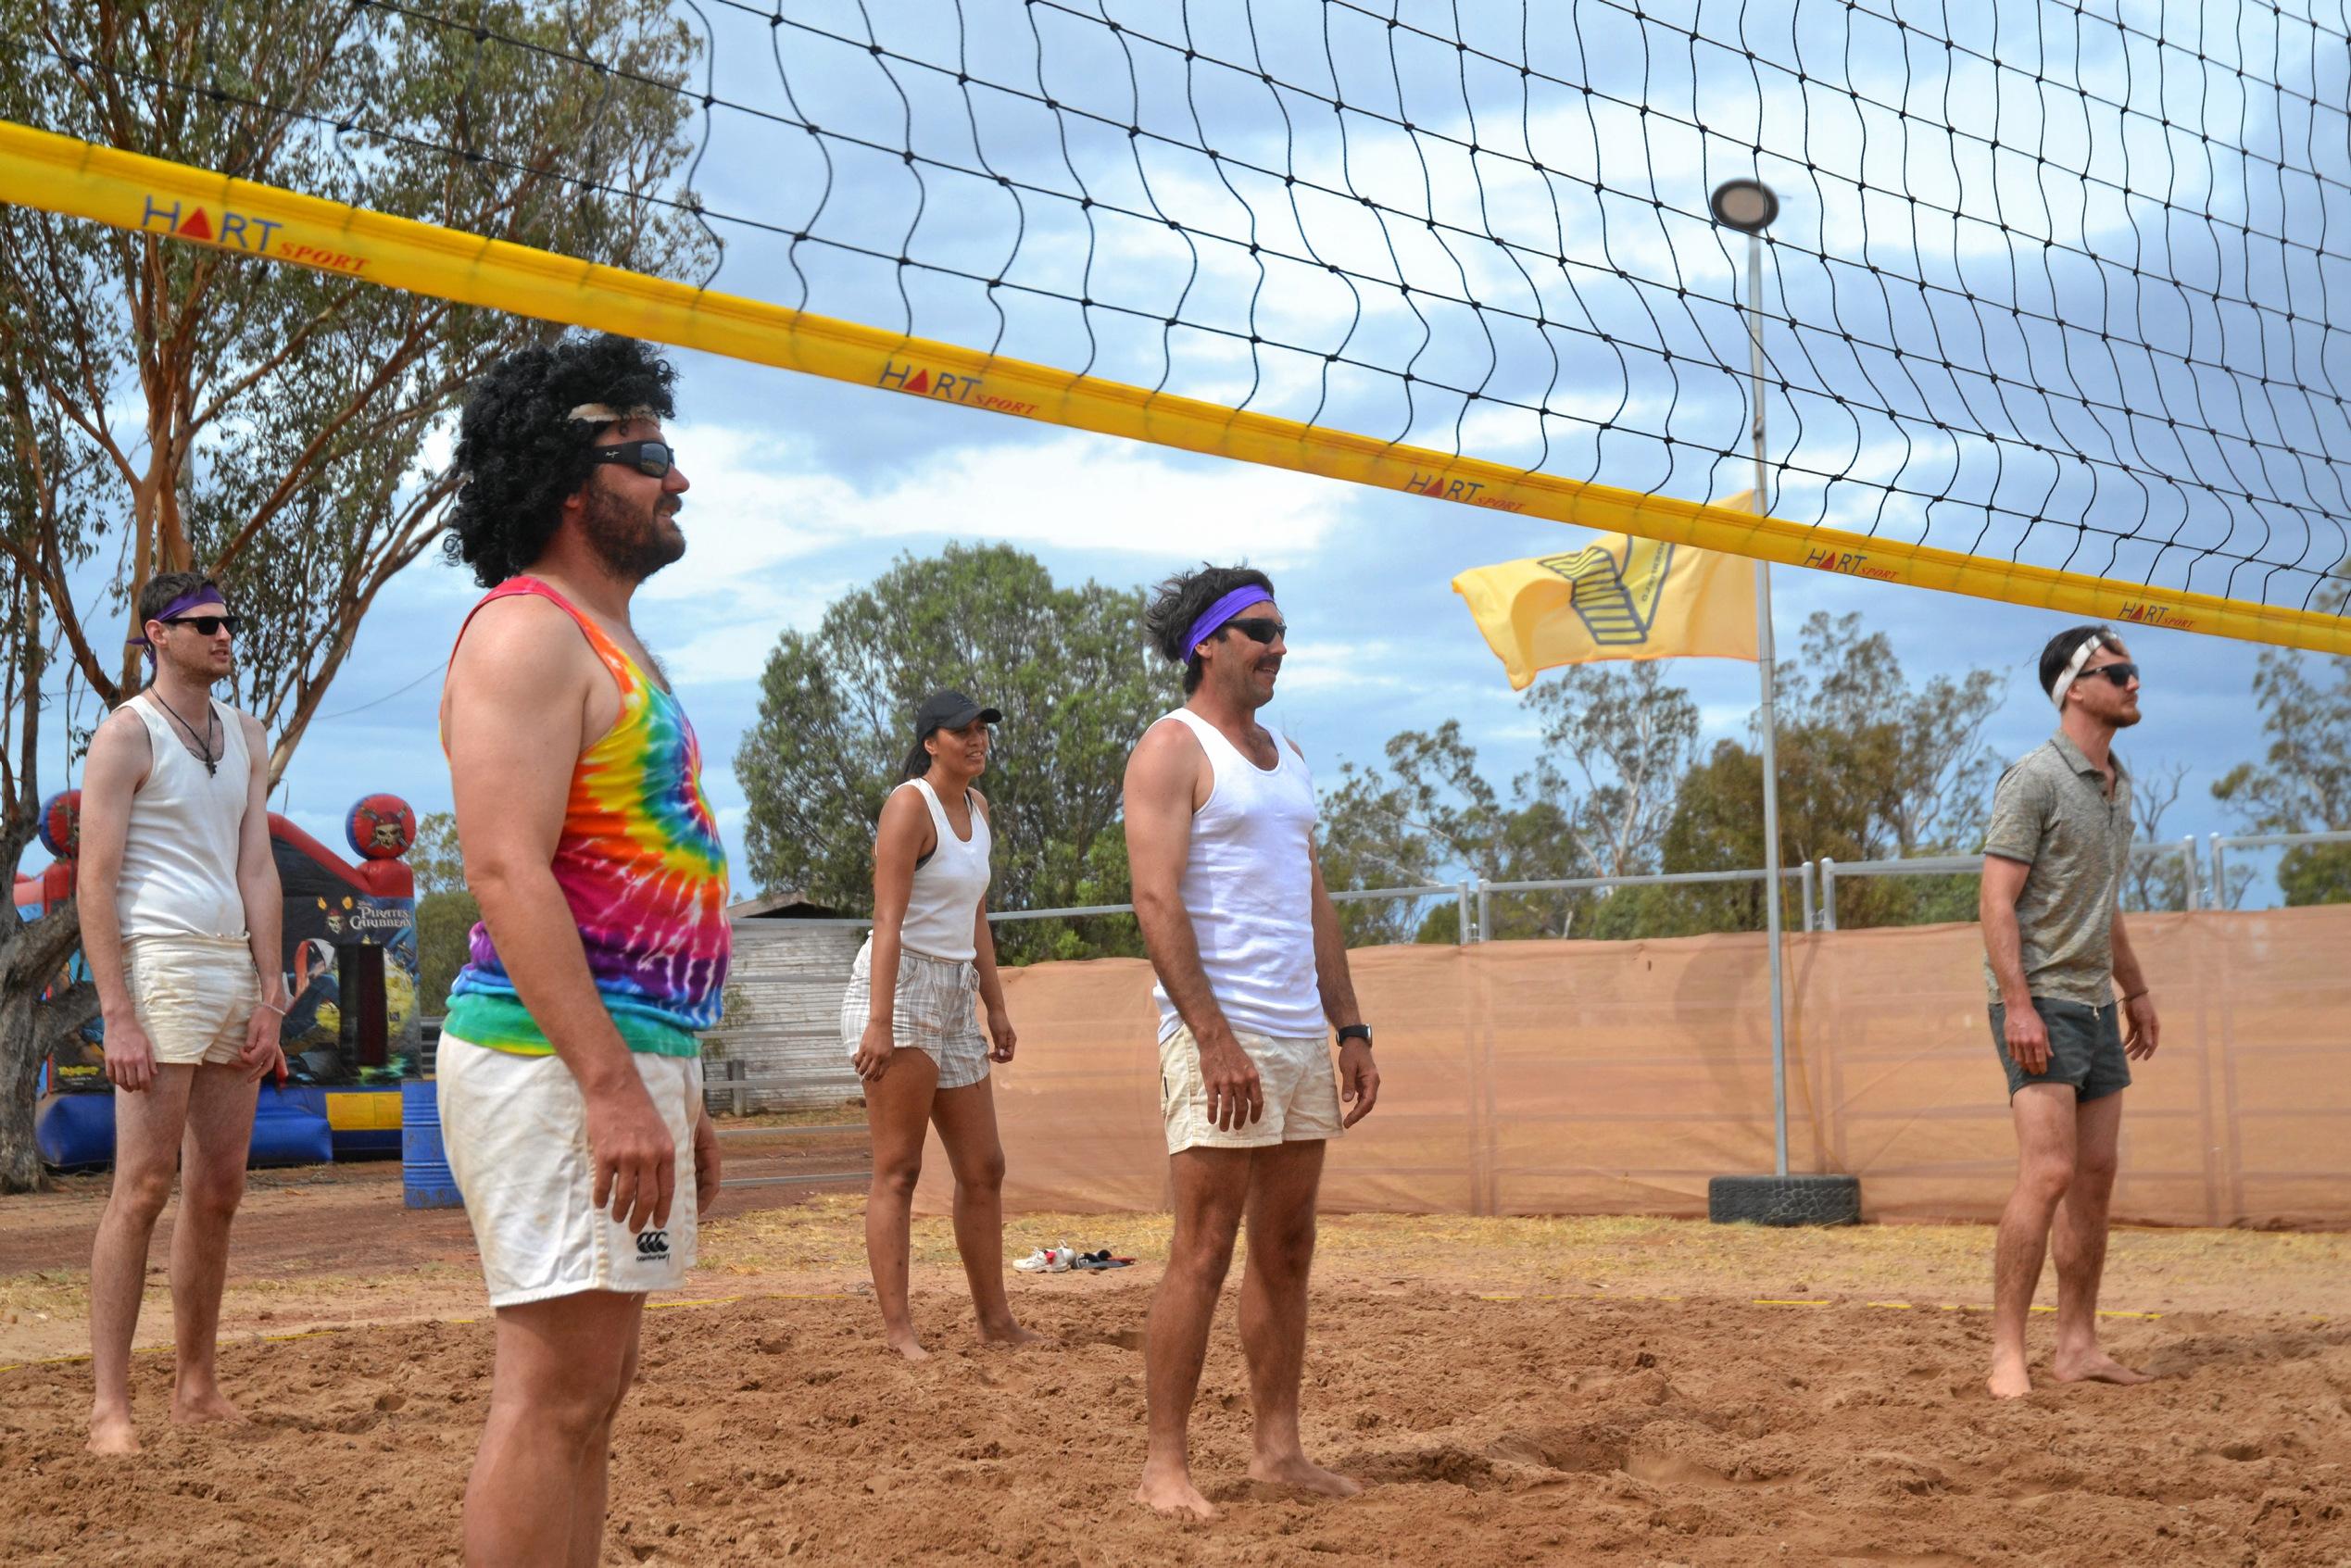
[1749,205]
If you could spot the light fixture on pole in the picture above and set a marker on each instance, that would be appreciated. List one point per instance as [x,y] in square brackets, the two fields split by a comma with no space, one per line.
[1749,206]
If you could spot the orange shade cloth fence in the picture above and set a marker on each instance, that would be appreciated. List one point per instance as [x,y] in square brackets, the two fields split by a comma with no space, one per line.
[1615,1077]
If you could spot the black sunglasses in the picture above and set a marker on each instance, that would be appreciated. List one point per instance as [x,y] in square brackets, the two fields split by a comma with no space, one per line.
[652,458]
[2120,674]
[205,626]
[1260,628]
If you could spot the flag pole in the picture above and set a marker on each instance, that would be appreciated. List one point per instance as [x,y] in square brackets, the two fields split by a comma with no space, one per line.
[1764,657]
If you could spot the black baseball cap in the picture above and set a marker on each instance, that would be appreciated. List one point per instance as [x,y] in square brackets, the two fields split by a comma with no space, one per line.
[949,710]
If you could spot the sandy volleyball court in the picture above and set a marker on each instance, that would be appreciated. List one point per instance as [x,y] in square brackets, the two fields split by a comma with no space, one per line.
[1509,1392]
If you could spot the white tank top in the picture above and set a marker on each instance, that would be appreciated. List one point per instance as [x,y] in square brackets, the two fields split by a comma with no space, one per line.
[180,853]
[948,887]
[1248,886]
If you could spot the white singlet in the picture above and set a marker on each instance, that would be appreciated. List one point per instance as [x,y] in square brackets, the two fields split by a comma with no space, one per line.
[947,888]
[179,851]
[1248,887]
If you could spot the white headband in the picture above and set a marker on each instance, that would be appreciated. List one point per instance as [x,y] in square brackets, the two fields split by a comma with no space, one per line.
[604,414]
[2090,645]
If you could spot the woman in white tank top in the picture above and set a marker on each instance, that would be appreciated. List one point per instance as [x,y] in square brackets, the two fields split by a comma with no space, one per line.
[910,1020]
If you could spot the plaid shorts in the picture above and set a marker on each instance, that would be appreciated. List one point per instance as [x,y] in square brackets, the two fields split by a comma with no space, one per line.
[935,1011]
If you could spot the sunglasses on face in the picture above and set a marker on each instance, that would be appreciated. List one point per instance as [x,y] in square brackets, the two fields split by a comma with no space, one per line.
[1260,628]
[652,458]
[2120,674]
[205,626]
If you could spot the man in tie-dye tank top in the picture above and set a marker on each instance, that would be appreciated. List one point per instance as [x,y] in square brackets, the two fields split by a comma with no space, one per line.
[571,1085]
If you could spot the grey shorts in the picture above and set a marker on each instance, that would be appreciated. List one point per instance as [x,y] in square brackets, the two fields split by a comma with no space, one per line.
[2085,1049]
[935,1011]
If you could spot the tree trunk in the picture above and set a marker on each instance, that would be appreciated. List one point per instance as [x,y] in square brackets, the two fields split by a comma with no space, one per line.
[31,1027]
[19,1067]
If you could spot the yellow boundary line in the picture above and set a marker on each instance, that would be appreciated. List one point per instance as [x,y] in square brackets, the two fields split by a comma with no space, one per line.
[142,194]
[845,1296]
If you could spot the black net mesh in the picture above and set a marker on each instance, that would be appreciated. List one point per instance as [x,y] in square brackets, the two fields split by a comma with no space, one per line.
[2057,284]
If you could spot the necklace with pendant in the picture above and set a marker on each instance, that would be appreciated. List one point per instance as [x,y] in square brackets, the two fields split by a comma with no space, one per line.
[203,743]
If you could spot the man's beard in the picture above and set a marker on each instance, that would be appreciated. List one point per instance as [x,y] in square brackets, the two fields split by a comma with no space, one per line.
[629,544]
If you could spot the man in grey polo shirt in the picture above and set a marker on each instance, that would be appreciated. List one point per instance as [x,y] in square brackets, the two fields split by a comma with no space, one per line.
[2055,954]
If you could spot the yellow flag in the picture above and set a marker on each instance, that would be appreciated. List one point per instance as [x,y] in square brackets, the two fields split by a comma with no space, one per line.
[1618,597]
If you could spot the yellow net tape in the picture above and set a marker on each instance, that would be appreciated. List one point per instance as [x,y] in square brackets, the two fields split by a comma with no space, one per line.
[62,175]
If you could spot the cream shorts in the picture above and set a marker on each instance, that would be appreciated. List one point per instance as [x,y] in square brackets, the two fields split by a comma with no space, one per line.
[193,995]
[935,1011]
[1299,1080]
[516,1131]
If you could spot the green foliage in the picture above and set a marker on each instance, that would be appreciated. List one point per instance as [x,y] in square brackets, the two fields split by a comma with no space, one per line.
[444,921]
[1068,667]
[433,860]
[2302,783]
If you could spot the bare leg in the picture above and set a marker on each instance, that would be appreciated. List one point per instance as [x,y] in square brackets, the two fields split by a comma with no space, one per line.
[2044,1118]
[587,1511]
[146,1150]
[897,1109]
[1211,1189]
[534,1501]
[2081,1247]
[966,1122]
[1272,1312]
[220,1135]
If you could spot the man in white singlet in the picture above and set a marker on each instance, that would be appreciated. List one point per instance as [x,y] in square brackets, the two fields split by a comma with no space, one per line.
[1220,819]
[181,911]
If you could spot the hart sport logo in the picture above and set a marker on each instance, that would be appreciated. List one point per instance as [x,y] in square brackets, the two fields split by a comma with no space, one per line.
[653,1246]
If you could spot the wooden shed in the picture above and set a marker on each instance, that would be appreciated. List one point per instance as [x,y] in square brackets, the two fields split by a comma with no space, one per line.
[781,1037]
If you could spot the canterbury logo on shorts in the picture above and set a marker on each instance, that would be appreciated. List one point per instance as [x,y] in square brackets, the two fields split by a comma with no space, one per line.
[653,1246]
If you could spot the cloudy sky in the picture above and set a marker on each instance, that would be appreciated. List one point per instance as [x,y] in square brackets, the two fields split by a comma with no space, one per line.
[2041,288]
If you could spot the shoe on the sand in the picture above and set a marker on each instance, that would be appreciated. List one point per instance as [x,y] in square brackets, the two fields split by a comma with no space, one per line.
[1059,1259]
[1035,1263]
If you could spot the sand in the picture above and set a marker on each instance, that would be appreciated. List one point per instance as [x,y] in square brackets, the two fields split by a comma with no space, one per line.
[1702,1431]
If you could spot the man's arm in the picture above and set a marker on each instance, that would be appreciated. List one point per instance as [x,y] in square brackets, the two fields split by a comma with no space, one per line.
[264,907]
[2139,1040]
[516,717]
[119,758]
[2027,1037]
[1358,1076]
[1161,779]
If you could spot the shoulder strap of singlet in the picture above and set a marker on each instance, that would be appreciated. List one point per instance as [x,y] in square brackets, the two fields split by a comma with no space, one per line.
[514,587]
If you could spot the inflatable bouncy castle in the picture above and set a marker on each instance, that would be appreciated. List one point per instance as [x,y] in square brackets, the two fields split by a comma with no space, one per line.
[349,961]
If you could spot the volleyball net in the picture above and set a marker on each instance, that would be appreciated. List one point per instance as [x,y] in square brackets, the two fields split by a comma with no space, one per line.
[2051,313]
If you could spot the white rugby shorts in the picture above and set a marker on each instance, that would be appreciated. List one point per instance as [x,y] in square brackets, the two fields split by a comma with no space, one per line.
[516,1131]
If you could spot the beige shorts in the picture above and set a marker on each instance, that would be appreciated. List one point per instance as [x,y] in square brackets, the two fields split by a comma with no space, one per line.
[515,1129]
[193,995]
[935,1011]
[1299,1080]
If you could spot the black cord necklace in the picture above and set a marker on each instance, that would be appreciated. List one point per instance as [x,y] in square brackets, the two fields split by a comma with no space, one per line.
[204,742]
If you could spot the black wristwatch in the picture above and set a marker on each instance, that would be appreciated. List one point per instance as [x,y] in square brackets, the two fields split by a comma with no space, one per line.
[1356,1032]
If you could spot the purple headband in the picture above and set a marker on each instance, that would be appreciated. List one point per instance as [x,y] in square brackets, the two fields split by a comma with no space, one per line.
[1224,610]
[185,601]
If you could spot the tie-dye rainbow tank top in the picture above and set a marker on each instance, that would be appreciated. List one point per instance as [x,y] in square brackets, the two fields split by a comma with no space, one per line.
[641,867]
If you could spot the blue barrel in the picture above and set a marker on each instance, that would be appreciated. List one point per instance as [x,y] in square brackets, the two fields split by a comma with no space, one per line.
[425,1181]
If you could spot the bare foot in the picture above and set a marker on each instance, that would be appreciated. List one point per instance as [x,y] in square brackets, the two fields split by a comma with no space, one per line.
[111,1433]
[2095,1366]
[1300,1471]
[1008,1333]
[2009,1379]
[1171,1495]
[906,1344]
[205,1407]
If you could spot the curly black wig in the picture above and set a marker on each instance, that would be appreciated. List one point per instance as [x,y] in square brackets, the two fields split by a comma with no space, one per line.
[1182,599]
[523,456]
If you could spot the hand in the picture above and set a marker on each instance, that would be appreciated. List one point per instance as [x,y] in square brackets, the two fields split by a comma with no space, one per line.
[2027,1037]
[1000,1036]
[130,1055]
[874,1051]
[1358,1080]
[636,1157]
[2139,1040]
[706,1164]
[1236,1095]
[261,1052]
